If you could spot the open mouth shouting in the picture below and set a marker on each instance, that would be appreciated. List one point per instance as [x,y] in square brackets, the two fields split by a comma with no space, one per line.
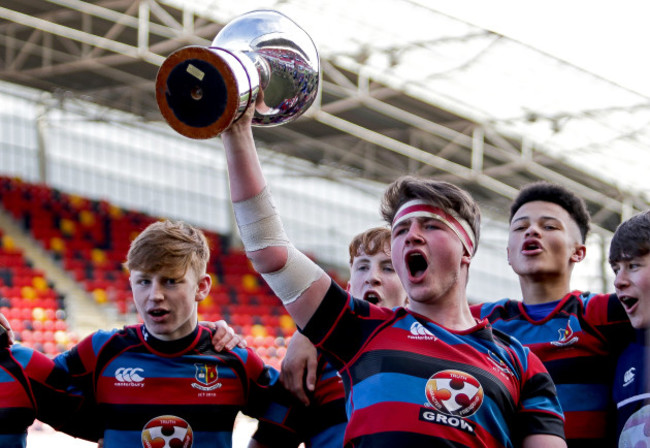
[372,297]
[158,314]
[531,247]
[628,302]
[416,264]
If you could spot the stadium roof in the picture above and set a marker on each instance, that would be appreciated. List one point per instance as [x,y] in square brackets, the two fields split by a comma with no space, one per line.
[409,89]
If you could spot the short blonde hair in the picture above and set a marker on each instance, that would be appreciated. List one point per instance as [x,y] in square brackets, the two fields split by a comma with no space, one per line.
[169,246]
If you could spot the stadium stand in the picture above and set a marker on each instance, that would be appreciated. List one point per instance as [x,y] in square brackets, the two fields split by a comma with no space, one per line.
[89,240]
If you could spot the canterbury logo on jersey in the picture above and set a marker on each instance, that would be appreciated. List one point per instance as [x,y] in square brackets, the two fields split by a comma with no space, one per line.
[628,377]
[419,331]
[130,376]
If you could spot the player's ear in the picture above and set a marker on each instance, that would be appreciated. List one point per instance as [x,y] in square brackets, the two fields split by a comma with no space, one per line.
[579,252]
[204,286]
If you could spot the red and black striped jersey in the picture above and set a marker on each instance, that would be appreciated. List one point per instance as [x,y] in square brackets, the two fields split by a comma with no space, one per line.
[31,388]
[578,342]
[319,425]
[149,392]
[411,382]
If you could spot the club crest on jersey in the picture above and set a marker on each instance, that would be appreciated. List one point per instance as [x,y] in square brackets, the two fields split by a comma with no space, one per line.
[420,332]
[207,376]
[454,393]
[566,337]
[499,363]
[167,431]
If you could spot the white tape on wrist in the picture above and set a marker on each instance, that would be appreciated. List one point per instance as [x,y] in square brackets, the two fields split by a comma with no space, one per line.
[295,277]
[260,227]
[259,223]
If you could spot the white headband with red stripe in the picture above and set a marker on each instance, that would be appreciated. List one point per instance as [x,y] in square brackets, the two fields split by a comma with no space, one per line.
[419,208]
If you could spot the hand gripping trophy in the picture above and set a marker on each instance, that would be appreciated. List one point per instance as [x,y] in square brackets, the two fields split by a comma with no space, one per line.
[201,91]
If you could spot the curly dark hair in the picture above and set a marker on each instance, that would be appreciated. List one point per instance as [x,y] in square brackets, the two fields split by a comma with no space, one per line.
[557,194]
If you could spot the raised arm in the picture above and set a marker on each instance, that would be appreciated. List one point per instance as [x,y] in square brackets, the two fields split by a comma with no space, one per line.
[295,279]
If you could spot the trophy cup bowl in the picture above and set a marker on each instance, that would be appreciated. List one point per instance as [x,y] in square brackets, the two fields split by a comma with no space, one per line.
[201,91]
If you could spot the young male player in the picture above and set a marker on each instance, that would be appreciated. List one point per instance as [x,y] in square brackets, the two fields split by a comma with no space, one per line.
[322,422]
[162,383]
[576,334]
[429,374]
[629,256]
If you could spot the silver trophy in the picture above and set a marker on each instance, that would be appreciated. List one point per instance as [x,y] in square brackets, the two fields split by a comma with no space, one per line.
[201,91]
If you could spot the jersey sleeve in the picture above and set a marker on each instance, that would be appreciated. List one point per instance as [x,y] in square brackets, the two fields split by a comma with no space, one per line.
[268,402]
[79,364]
[342,324]
[323,422]
[608,318]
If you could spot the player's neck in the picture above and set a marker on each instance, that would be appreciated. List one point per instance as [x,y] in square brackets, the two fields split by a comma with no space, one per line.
[453,314]
[535,290]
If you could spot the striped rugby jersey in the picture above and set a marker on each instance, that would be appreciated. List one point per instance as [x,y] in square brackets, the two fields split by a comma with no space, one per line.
[31,388]
[411,382]
[153,393]
[578,343]
[319,425]
[632,392]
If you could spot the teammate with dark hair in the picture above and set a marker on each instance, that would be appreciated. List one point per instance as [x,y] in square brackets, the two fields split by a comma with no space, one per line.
[629,256]
[576,334]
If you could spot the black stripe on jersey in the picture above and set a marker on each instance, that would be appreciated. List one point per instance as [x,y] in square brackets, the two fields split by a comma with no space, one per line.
[422,366]
[15,420]
[328,311]
[206,417]
[615,310]
[272,436]
[403,439]
[572,370]
[316,418]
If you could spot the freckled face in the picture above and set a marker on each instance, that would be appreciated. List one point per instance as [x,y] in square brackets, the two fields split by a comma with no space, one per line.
[373,278]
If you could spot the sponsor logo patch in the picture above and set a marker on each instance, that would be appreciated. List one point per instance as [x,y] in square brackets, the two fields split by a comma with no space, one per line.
[455,393]
[429,415]
[628,376]
[167,431]
[420,332]
[129,377]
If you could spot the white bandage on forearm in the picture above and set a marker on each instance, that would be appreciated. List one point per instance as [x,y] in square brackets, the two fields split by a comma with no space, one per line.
[259,223]
[295,277]
[260,227]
